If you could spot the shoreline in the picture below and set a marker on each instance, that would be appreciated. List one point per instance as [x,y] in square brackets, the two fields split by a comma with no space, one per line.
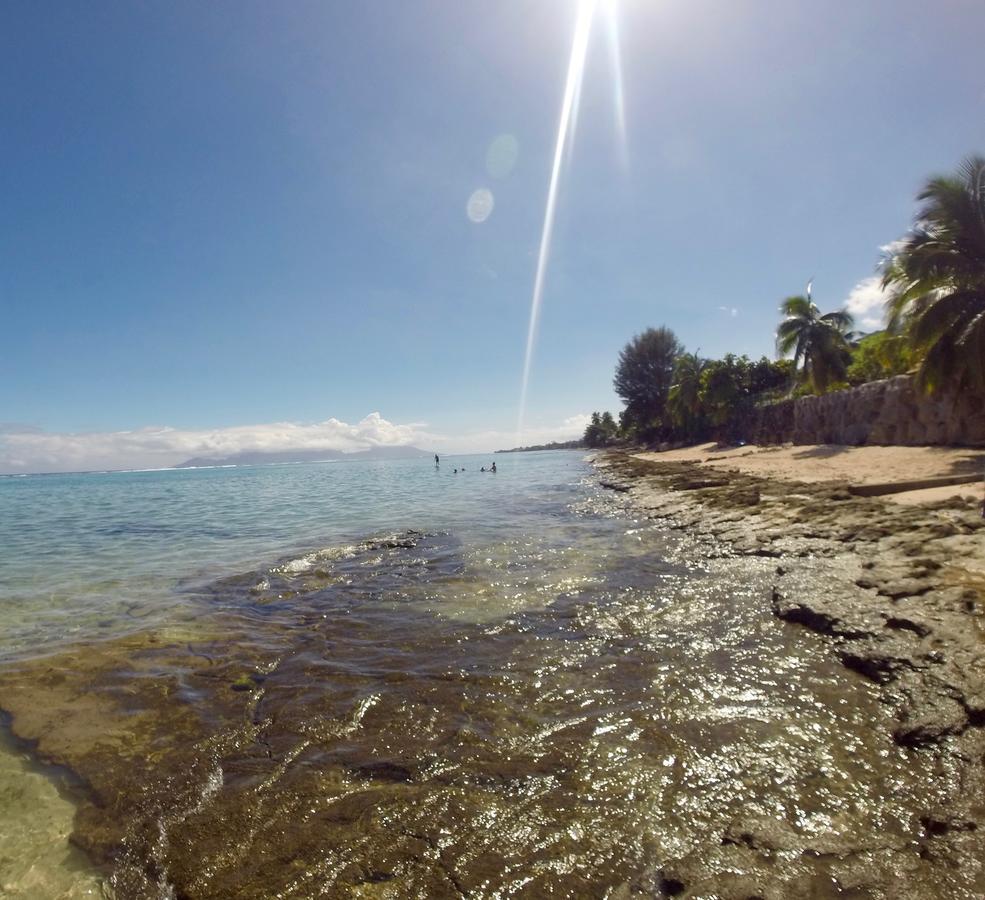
[793,770]
[897,592]
[912,475]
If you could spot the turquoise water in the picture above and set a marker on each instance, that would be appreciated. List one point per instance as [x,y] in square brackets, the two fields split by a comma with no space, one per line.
[382,679]
[90,555]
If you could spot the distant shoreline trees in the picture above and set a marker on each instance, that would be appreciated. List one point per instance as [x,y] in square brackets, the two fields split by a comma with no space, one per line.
[935,284]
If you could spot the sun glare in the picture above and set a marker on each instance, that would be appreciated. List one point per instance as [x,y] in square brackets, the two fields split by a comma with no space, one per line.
[586,14]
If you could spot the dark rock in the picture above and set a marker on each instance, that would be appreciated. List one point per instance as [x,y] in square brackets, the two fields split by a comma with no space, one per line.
[763,833]
[874,663]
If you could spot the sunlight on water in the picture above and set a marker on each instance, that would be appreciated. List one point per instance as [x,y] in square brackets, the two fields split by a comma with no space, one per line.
[351,677]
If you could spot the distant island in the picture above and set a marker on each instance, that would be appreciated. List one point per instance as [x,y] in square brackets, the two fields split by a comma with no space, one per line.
[283,457]
[578,444]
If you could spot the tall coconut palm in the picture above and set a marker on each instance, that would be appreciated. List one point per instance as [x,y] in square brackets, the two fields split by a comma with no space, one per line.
[820,344]
[684,398]
[936,281]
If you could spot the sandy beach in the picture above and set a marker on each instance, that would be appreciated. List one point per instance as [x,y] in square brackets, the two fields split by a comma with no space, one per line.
[814,464]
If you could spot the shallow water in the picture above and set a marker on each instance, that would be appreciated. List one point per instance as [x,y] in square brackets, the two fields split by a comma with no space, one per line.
[91,555]
[36,859]
[378,680]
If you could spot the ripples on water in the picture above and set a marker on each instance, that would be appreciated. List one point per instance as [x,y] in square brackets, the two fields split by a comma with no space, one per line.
[532,693]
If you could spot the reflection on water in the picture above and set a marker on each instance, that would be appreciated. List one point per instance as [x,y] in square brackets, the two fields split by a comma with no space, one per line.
[560,707]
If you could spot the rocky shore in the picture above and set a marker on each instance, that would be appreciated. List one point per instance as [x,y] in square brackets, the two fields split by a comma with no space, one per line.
[646,724]
[897,592]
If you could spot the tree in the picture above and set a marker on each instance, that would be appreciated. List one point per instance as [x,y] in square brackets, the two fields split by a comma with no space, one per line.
[593,431]
[768,377]
[819,343]
[879,355]
[601,430]
[936,281]
[644,375]
[684,396]
[627,426]
[610,430]
[725,392]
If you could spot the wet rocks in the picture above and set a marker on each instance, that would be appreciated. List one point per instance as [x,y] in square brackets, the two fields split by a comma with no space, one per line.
[763,833]
[898,592]
[893,597]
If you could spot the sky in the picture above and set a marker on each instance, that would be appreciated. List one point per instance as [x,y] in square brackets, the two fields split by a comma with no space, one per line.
[239,226]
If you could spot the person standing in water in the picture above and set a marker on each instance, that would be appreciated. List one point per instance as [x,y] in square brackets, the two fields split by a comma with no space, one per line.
[437,462]
[492,468]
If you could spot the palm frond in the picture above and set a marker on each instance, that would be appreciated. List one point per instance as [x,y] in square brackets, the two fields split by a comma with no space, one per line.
[842,320]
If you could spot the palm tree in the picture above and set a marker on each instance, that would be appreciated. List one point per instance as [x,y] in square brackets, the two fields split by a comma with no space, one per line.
[936,280]
[820,343]
[684,397]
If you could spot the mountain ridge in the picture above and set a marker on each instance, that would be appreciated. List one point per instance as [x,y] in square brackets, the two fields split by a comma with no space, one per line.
[282,457]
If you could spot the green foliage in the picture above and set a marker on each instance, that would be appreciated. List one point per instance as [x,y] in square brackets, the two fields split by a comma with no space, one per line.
[627,426]
[724,388]
[936,281]
[684,397]
[644,375]
[719,394]
[601,431]
[877,356]
[770,378]
[818,342]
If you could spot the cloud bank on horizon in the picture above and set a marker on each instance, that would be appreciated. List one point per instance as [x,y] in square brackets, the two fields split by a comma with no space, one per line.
[26,449]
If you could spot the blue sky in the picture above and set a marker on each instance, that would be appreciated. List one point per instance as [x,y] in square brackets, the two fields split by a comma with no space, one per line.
[234,215]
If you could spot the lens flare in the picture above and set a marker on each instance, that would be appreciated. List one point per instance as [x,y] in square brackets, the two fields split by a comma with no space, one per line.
[619,98]
[565,131]
[480,205]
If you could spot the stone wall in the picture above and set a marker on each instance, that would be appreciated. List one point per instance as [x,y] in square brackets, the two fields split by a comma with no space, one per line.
[881,412]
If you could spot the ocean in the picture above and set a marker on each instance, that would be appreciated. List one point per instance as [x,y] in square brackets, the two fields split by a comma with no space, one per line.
[92,555]
[388,679]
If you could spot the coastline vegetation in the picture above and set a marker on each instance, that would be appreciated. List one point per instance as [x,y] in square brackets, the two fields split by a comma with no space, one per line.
[934,281]
[576,444]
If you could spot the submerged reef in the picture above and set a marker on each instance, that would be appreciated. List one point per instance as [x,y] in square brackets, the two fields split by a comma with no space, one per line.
[653,728]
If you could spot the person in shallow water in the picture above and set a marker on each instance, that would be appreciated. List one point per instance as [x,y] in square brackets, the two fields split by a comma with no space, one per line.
[492,468]
[437,461]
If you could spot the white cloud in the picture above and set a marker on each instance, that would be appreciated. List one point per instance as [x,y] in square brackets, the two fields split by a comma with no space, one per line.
[731,310]
[578,423]
[867,299]
[25,448]
[893,247]
[33,450]
[866,303]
